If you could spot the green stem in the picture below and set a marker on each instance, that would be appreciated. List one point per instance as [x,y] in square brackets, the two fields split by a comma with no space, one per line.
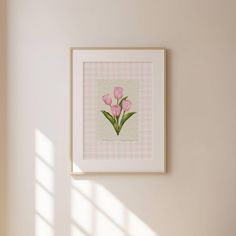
[123,115]
[117,122]
[121,120]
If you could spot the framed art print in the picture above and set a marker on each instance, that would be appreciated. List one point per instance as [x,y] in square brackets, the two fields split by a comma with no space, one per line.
[117,110]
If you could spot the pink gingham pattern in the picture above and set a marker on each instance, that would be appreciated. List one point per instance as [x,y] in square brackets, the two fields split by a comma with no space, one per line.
[140,149]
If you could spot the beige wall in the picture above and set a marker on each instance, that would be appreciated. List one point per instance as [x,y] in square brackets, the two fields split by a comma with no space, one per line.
[2,116]
[197,195]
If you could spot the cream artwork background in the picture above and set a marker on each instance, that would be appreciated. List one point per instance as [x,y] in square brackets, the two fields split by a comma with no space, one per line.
[104,129]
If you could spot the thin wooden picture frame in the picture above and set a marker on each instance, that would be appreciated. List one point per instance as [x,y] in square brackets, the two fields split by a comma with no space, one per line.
[156,163]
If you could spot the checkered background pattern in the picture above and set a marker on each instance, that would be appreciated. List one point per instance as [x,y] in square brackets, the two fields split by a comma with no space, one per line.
[140,149]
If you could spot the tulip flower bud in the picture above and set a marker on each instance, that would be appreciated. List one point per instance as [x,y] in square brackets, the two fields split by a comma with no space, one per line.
[115,109]
[107,99]
[126,105]
[118,92]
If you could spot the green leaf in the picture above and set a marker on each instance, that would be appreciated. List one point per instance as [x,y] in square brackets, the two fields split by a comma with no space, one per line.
[120,104]
[125,118]
[112,120]
[124,98]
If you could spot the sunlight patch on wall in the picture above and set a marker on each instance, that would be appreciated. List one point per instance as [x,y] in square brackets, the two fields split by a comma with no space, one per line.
[44,148]
[97,212]
[81,213]
[137,227]
[42,228]
[44,204]
[44,185]
[110,205]
[44,175]
[77,231]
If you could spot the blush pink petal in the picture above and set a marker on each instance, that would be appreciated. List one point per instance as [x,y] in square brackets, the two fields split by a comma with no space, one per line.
[126,105]
[118,92]
[115,109]
[107,99]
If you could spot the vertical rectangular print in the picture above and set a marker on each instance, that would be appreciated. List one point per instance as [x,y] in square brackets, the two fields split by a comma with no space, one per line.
[121,116]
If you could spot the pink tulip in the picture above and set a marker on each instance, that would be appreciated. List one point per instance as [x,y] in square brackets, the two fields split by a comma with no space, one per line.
[126,105]
[118,92]
[107,99]
[115,109]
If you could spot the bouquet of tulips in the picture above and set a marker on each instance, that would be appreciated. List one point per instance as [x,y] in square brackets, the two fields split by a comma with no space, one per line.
[119,111]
